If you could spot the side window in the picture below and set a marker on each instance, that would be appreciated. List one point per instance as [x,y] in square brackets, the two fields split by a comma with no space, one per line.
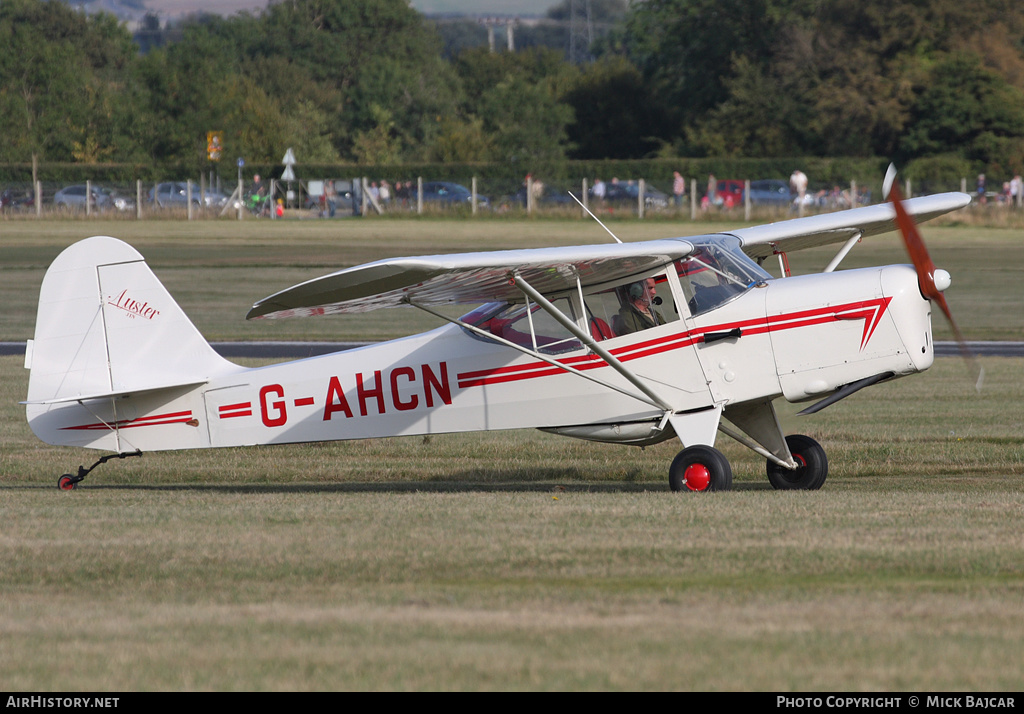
[630,307]
[531,326]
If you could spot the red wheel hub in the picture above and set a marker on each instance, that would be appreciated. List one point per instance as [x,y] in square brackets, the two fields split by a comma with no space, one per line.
[697,477]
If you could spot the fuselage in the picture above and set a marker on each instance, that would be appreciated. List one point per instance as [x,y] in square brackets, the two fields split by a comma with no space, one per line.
[798,338]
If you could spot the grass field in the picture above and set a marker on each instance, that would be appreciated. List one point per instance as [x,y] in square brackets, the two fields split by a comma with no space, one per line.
[516,560]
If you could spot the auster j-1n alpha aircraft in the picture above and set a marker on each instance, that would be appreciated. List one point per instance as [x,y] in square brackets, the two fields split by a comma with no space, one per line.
[628,343]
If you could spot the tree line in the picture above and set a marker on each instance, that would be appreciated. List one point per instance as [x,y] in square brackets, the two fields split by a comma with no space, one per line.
[934,82]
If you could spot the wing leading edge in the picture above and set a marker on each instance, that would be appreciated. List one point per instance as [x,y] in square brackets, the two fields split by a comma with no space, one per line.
[468,278]
[812,231]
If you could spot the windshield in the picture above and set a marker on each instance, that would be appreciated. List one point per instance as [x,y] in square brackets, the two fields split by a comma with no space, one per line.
[717,272]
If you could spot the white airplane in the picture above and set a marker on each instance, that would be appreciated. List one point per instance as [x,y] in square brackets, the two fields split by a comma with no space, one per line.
[628,343]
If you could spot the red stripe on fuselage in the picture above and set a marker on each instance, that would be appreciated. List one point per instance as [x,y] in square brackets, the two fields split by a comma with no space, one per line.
[870,311]
[155,420]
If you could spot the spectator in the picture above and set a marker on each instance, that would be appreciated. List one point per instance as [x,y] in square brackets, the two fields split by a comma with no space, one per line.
[599,190]
[711,195]
[798,185]
[980,189]
[331,198]
[678,188]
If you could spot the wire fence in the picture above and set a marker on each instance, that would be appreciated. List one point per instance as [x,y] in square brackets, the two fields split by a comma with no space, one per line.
[339,197]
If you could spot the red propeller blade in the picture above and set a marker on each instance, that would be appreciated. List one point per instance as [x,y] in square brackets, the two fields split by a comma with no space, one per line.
[924,266]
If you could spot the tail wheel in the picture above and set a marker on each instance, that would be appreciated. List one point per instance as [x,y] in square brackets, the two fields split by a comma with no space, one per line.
[700,468]
[66,483]
[811,473]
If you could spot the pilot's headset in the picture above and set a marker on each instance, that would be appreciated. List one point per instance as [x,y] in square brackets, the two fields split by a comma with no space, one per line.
[637,290]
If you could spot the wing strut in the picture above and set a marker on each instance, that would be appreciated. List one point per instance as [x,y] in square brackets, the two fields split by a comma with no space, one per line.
[553,362]
[589,342]
[847,246]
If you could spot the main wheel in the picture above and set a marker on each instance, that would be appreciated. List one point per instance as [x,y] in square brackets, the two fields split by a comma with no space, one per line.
[813,467]
[700,468]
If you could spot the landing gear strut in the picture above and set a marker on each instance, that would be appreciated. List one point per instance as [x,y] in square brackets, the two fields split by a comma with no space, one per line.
[67,482]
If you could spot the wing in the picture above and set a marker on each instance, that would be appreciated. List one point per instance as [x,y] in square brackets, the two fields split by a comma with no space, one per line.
[468,278]
[799,233]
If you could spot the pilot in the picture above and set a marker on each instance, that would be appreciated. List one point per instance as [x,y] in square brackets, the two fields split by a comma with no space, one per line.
[637,311]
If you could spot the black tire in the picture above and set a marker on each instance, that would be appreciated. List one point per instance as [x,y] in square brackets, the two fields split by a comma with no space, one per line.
[700,468]
[66,483]
[813,469]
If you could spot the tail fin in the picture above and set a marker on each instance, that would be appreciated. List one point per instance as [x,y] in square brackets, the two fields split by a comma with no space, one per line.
[107,328]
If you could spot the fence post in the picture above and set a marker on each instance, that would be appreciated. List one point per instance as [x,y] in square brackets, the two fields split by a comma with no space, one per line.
[747,203]
[39,199]
[693,199]
[188,199]
[88,198]
[641,191]
[473,184]
[138,199]
[907,193]
[584,199]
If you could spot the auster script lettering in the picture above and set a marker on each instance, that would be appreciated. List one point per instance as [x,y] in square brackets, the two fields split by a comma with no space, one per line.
[133,307]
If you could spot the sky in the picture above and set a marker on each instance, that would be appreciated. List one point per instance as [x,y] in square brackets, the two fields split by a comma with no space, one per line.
[483,7]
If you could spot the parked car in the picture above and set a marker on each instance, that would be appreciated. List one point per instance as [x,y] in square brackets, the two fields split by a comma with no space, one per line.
[101,198]
[346,192]
[449,193]
[547,198]
[13,200]
[729,192]
[627,192]
[770,192]
[175,194]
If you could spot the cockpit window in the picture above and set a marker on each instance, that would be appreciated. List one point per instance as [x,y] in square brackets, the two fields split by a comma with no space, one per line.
[527,325]
[630,307]
[611,312]
[716,273]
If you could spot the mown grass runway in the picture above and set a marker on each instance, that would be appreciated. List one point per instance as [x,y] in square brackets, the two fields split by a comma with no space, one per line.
[518,560]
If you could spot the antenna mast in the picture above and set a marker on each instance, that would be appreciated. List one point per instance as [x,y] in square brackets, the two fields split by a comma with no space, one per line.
[581,32]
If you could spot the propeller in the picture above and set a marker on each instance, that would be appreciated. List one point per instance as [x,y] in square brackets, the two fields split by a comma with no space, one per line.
[932,281]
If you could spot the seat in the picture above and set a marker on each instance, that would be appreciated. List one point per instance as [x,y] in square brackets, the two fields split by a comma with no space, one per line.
[599,329]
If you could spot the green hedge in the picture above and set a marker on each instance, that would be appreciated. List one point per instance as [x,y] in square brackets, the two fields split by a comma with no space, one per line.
[932,174]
